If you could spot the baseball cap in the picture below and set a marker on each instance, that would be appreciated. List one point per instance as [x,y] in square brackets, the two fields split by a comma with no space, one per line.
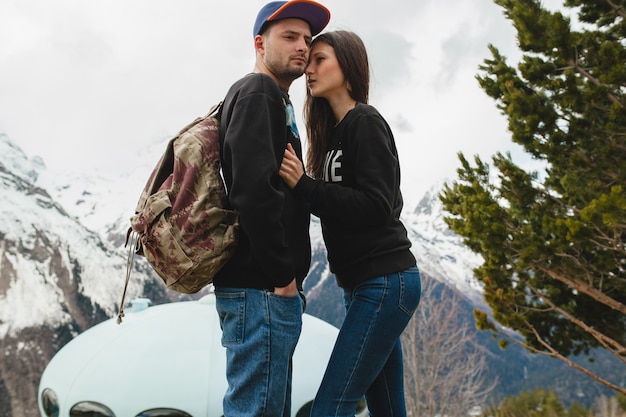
[314,13]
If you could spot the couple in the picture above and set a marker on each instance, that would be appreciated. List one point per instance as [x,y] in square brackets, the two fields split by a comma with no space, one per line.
[353,188]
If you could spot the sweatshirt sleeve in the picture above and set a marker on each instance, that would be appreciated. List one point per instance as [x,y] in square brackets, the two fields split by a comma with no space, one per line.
[368,197]
[254,142]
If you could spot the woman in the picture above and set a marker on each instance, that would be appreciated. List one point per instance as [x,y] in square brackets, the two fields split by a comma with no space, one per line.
[354,189]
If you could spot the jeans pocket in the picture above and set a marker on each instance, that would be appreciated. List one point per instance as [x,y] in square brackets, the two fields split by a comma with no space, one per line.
[285,321]
[231,309]
[410,290]
[286,308]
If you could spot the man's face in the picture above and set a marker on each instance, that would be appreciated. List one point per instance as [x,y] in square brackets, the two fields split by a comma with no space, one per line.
[286,48]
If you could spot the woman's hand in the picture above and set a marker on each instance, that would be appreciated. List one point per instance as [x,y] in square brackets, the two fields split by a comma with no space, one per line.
[291,169]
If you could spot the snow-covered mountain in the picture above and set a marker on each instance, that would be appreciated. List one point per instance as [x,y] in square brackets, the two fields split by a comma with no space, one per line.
[45,247]
[59,273]
[63,262]
[441,253]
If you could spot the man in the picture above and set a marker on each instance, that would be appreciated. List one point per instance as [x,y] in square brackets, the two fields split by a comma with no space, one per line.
[258,291]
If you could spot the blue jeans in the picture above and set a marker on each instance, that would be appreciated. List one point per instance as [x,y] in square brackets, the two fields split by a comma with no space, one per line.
[367,357]
[260,331]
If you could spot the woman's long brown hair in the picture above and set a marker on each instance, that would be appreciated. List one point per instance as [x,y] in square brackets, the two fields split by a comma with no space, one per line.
[318,115]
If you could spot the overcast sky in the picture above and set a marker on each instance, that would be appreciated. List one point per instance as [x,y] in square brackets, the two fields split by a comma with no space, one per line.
[85,84]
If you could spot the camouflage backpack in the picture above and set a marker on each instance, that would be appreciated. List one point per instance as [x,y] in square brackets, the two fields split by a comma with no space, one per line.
[182,225]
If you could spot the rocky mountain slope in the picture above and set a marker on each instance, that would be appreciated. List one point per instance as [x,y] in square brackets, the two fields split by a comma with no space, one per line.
[57,278]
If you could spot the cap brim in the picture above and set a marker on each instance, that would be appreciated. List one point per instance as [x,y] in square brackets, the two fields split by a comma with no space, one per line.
[316,14]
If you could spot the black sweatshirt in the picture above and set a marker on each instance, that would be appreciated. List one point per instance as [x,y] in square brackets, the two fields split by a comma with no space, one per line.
[359,201]
[273,242]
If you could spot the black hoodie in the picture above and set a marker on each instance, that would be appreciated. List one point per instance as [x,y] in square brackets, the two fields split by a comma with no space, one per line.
[273,243]
[359,201]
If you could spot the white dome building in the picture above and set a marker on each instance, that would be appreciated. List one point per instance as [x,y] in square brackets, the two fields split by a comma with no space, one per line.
[165,360]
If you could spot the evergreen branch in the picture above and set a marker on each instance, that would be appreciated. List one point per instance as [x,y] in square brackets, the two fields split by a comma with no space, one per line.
[584,288]
[619,10]
[555,354]
[608,343]
[574,64]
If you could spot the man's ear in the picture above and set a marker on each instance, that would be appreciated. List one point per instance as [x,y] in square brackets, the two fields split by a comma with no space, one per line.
[259,44]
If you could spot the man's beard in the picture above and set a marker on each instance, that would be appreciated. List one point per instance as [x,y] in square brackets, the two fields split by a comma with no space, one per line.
[285,72]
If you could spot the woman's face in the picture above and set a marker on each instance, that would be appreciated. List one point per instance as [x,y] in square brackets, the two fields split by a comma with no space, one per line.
[324,76]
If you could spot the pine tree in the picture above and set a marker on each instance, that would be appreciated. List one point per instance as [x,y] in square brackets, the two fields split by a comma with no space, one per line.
[553,240]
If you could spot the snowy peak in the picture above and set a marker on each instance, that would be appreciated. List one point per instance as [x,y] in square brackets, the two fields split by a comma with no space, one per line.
[440,252]
[15,162]
[48,259]
[57,277]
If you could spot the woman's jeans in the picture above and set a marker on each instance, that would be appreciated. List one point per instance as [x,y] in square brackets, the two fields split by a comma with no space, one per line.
[367,357]
[260,331]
